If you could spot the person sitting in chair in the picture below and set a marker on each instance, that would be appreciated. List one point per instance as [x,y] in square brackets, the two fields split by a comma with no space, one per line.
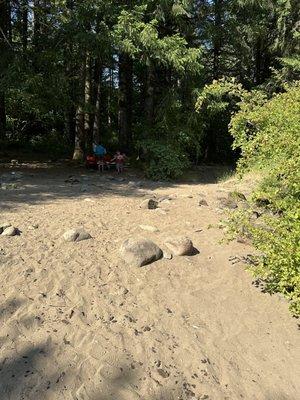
[99,150]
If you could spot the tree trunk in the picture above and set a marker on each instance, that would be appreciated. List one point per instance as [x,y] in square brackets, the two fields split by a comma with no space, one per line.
[141,107]
[109,99]
[79,149]
[5,36]
[80,133]
[217,37]
[71,68]
[88,120]
[36,23]
[9,24]
[99,101]
[2,116]
[24,28]
[71,124]
[125,100]
[149,101]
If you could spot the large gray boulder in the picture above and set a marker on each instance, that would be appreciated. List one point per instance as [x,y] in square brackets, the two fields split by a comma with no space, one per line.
[180,246]
[139,252]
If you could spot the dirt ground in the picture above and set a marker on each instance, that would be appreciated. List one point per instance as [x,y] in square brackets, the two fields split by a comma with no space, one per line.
[78,323]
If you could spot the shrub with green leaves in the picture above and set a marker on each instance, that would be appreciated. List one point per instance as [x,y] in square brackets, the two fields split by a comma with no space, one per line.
[215,104]
[164,161]
[268,134]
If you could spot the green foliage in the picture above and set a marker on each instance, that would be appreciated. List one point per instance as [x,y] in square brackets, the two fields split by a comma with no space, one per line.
[289,72]
[267,131]
[215,105]
[142,40]
[217,96]
[164,161]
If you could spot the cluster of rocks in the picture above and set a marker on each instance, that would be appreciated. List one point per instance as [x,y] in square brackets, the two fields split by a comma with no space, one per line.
[141,251]
[6,229]
[72,235]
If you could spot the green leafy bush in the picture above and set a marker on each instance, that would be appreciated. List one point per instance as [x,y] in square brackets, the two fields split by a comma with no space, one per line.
[163,161]
[268,134]
[215,105]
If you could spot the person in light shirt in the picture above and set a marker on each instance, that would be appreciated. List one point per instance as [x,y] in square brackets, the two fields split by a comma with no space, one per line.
[119,159]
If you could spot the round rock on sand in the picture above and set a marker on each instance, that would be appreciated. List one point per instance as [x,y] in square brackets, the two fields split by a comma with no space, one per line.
[180,246]
[150,204]
[76,235]
[3,226]
[9,231]
[203,202]
[139,252]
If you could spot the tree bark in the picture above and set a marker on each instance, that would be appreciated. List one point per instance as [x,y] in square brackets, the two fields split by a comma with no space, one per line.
[5,42]
[98,100]
[149,101]
[71,68]
[88,105]
[125,100]
[80,133]
[109,99]
[217,37]
[2,116]
[71,124]
[24,29]
[79,149]
[36,23]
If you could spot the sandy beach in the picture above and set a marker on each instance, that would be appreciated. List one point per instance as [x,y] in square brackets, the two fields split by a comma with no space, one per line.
[77,323]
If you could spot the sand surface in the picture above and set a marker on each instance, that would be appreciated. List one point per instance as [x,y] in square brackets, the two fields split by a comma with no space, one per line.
[78,323]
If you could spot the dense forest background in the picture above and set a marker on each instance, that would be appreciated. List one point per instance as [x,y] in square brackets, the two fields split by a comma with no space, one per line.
[172,83]
[128,73]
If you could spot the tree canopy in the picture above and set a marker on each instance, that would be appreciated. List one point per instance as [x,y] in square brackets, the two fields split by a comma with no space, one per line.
[128,73]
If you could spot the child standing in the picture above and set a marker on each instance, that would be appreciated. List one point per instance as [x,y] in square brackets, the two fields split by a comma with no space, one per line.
[101,164]
[119,158]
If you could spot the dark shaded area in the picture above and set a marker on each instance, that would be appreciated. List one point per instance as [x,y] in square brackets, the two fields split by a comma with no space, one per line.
[44,182]
[21,374]
[8,308]
[21,378]
[195,252]
[127,377]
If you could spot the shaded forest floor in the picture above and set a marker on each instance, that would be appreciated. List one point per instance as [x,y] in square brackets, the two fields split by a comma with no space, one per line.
[77,323]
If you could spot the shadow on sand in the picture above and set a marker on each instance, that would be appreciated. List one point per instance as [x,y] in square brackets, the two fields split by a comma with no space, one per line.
[42,182]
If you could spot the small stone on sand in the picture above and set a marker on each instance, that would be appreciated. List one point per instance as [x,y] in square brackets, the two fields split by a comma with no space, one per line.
[76,235]
[10,231]
[180,246]
[148,228]
[150,204]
